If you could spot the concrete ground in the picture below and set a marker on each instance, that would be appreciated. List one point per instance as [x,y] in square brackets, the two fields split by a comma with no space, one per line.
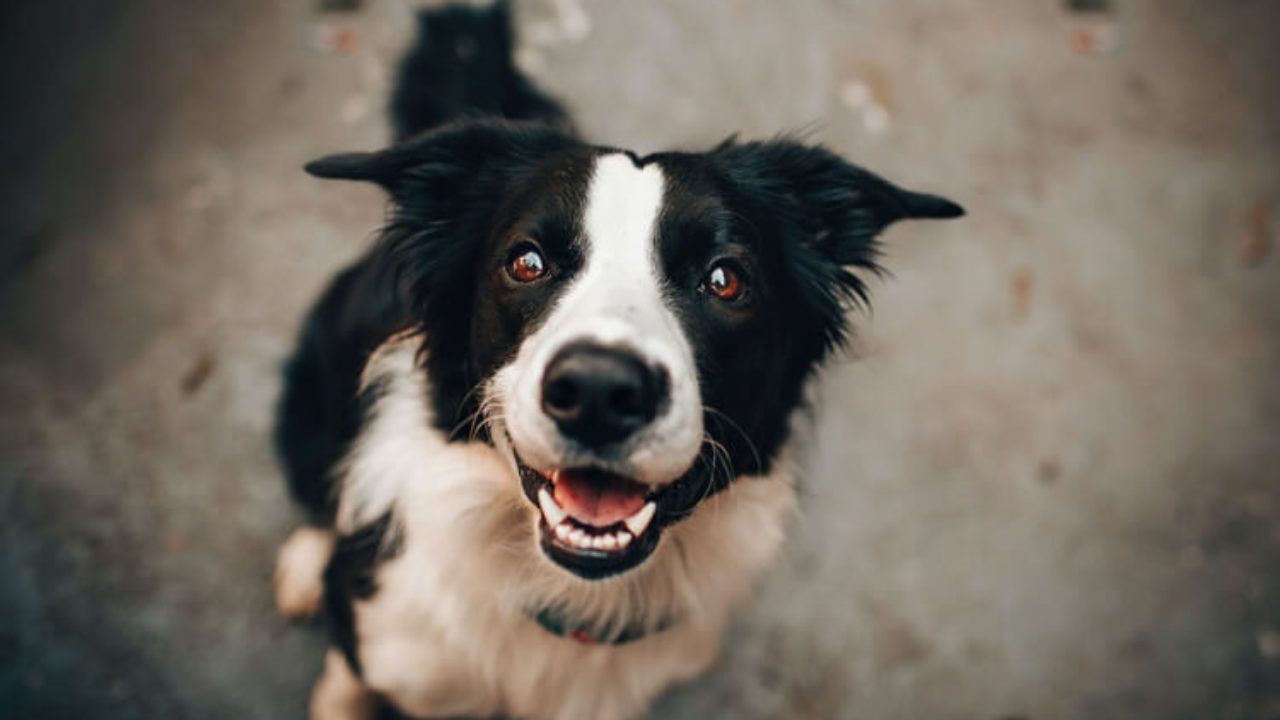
[1046,483]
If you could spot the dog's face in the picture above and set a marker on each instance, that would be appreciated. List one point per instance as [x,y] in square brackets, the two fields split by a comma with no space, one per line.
[633,332]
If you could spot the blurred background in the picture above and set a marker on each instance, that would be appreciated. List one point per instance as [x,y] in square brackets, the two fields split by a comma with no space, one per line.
[1044,484]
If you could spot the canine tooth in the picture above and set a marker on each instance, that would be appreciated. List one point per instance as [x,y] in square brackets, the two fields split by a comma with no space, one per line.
[550,509]
[638,522]
[562,532]
[624,538]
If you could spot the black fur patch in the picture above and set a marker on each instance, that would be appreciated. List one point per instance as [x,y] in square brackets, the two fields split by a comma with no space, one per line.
[351,576]
[794,220]
[464,193]
[319,413]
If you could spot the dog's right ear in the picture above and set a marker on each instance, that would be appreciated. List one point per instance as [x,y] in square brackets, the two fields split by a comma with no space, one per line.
[448,160]
[376,167]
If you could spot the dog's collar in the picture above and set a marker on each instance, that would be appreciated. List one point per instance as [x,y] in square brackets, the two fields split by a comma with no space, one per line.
[557,621]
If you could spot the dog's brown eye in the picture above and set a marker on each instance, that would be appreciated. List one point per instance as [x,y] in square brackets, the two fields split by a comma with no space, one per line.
[725,283]
[525,263]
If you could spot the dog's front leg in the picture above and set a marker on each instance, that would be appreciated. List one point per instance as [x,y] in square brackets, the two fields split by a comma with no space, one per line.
[339,694]
[300,564]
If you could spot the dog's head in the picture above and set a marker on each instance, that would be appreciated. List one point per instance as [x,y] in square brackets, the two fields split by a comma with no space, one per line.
[634,333]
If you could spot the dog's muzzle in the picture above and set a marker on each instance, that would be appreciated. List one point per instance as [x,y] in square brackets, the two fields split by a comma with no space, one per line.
[600,515]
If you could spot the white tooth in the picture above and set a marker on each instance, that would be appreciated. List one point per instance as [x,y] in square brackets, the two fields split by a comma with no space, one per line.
[638,522]
[597,543]
[578,537]
[624,538]
[562,532]
[609,542]
[550,509]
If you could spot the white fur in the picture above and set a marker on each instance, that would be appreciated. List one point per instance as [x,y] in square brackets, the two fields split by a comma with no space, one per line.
[299,579]
[446,632]
[384,456]
[339,694]
[615,300]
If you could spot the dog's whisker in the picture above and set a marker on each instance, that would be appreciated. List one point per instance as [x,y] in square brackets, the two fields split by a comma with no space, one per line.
[470,418]
[720,456]
[724,418]
[481,419]
[492,412]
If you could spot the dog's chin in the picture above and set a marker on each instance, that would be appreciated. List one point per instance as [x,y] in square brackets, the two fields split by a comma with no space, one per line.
[593,523]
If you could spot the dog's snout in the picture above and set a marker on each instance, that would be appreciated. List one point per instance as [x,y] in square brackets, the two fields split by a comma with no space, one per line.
[600,395]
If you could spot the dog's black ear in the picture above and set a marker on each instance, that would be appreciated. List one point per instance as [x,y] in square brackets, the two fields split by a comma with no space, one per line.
[461,151]
[827,213]
[376,167]
[837,207]
[445,185]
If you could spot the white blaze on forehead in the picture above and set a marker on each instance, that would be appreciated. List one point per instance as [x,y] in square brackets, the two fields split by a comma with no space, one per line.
[616,299]
[620,216]
[617,296]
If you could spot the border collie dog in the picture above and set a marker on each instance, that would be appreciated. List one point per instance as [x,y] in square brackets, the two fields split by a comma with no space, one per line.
[542,426]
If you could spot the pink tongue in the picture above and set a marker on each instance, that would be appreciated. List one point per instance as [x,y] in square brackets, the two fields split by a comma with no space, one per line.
[597,498]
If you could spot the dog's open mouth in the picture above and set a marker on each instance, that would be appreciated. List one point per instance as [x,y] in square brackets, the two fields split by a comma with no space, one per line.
[594,523]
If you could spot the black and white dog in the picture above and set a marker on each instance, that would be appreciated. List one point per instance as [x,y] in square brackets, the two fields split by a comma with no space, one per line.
[543,424]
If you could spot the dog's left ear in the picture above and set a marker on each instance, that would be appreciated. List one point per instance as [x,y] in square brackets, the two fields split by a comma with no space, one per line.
[837,207]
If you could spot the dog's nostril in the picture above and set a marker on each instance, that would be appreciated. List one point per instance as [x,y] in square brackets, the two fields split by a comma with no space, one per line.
[561,395]
[599,395]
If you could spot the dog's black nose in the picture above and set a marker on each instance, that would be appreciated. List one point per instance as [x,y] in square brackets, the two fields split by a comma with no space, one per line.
[600,395]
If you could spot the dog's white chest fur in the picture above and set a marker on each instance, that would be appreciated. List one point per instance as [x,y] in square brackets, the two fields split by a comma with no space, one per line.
[447,633]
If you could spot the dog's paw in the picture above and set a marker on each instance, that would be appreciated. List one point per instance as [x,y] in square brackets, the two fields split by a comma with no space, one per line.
[300,568]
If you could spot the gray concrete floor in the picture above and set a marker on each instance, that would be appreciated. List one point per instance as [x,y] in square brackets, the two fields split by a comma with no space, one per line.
[1046,483]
